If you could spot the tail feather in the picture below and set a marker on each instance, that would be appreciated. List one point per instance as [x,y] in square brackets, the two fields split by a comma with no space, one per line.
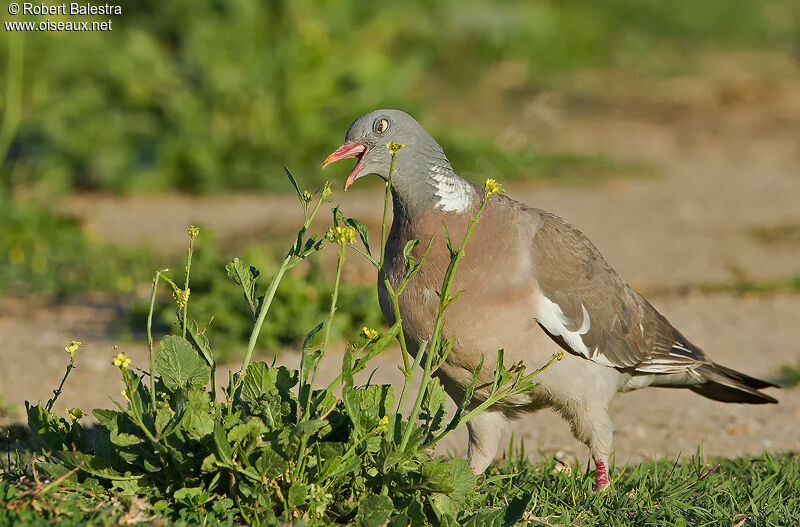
[731,386]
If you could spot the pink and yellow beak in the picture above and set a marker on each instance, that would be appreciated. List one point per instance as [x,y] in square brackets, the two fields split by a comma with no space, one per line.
[346,151]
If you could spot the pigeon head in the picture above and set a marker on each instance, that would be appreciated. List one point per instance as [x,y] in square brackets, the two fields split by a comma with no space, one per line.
[367,140]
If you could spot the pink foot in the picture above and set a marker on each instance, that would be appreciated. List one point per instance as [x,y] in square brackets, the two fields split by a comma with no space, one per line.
[602,482]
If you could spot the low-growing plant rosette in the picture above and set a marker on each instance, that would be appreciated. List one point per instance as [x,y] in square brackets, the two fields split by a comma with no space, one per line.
[277,447]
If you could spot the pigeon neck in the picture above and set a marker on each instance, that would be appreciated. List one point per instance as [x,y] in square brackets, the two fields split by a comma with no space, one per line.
[439,189]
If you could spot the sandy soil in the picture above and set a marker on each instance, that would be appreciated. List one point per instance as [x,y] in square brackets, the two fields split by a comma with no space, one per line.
[725,154]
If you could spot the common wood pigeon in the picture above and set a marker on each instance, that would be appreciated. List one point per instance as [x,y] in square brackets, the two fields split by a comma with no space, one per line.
[526,274]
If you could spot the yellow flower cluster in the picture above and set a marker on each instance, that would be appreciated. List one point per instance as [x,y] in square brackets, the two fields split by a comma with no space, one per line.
[341,235]
[383,422]
[394,147]
[492,187]
[72,348]
[193,231]
[75,414]
[181,296]
[369,333]
[121,360]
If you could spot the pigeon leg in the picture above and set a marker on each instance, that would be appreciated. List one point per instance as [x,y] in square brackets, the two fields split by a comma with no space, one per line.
[602,482]
[485,431]
[592,426]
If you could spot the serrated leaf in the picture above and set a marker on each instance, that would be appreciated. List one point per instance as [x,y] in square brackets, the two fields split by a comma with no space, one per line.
[260,379]
[179,365]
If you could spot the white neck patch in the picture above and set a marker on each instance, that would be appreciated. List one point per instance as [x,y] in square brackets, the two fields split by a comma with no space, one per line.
[455,194]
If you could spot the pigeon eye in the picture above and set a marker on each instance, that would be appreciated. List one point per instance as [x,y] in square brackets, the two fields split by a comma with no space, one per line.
[381,125]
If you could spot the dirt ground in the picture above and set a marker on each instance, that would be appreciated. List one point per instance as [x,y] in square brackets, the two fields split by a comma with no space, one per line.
[722,204]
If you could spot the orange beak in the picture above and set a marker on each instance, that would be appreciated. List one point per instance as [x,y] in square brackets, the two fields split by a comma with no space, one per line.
[346,151]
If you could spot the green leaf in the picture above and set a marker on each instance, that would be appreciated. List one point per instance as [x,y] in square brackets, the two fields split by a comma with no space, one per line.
[463,481]
[433,405]
[485,518]
[223,447]
[294,185]
[408,248]
[362,230]
[297,494]
[260,379]
[200,342]
[437,477]
[269,463]
[179,365]
[96,466]
[197,419]
[374,510]
[337,216]
[246,277]
[310,335]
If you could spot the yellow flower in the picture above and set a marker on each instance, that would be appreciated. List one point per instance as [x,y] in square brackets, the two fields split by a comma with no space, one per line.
[120,360]
[164,396]
[125,394]
[193,231]
[383,422]
[394,147]
[73,347]
[75,414]
[181,296]
[369,333]
[492,187]
[341,235]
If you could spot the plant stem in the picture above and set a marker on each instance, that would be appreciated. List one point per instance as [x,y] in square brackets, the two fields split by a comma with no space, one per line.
[290,261]
[382,269]
[186,283]
[150,337]
[435,341]
[57,391]
[262,315]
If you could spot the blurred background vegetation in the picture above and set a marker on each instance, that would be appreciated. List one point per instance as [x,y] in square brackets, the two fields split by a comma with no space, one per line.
[212,96]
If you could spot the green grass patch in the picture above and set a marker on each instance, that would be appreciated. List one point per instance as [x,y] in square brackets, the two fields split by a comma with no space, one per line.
[747,491]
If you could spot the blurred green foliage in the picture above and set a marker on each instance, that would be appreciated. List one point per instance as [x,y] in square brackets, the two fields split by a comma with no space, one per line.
[301,302]
[206,95]
[43,251]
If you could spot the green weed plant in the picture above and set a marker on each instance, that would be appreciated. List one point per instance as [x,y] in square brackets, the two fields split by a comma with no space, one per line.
[278,447]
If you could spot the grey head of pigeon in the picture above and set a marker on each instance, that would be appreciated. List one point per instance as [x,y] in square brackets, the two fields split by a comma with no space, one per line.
[423,177]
